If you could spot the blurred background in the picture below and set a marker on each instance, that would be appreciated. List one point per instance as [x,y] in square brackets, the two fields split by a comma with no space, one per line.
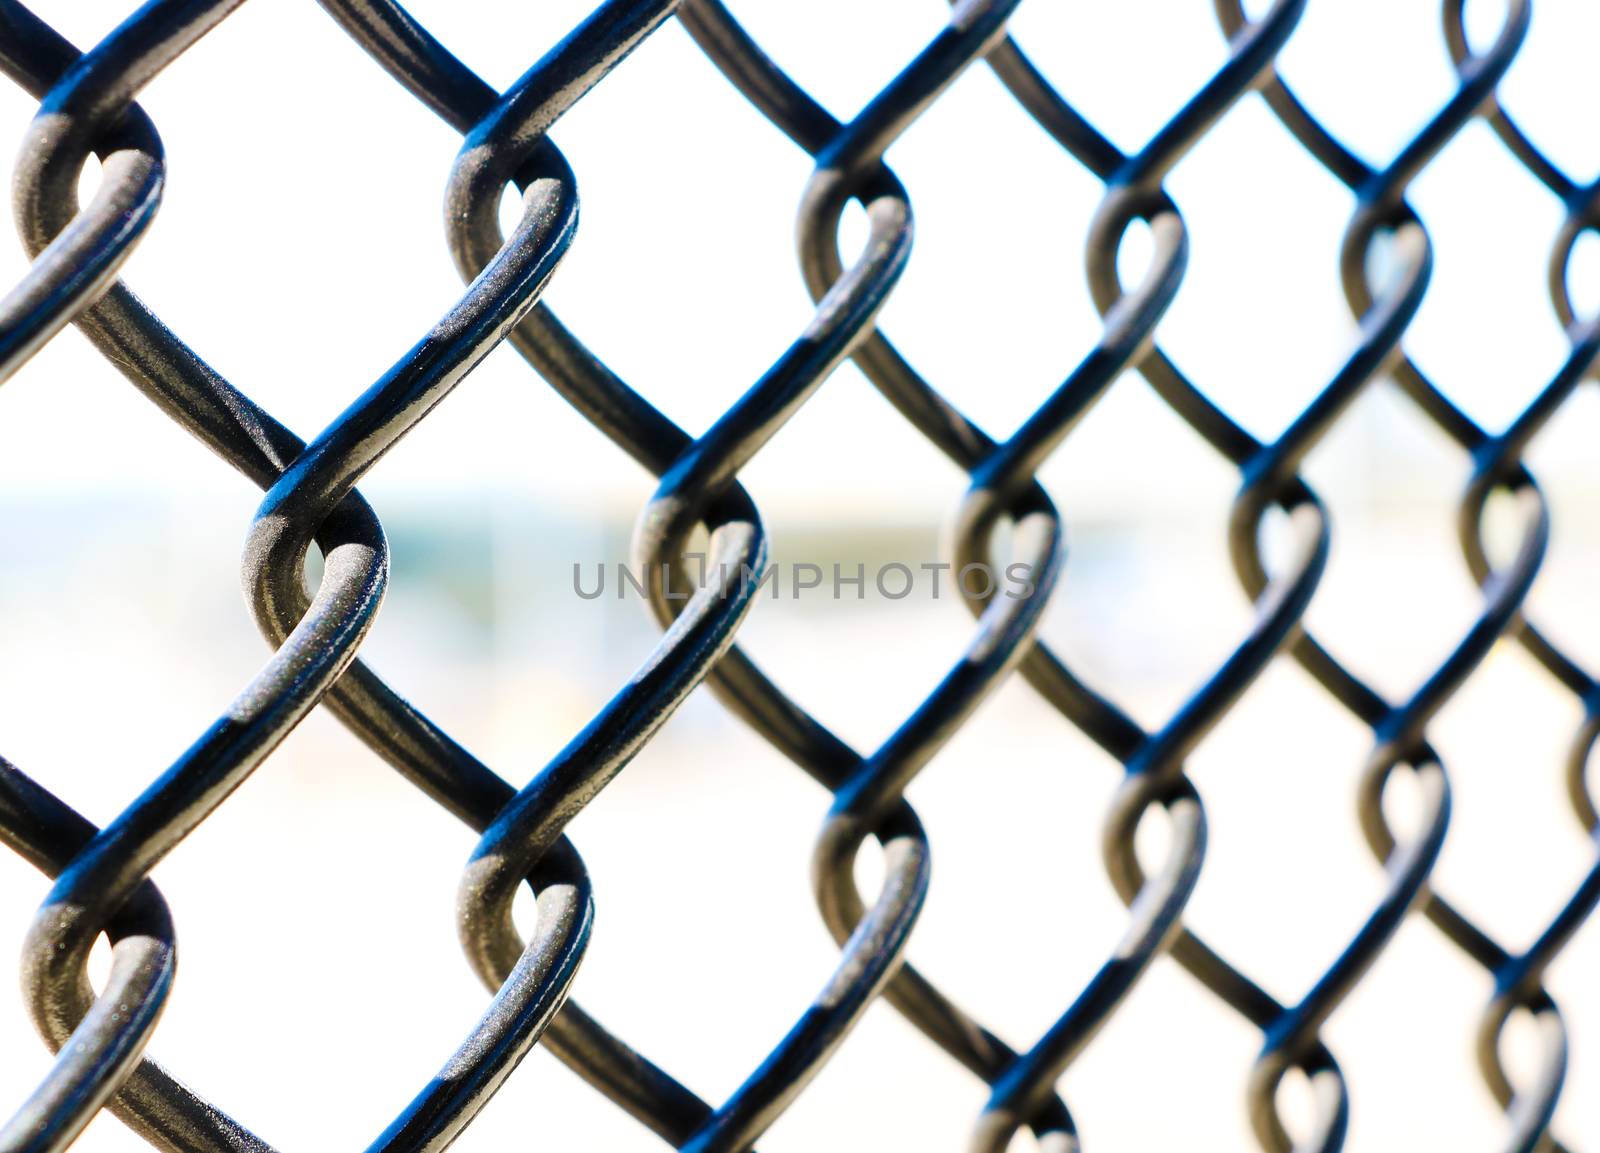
[300,251]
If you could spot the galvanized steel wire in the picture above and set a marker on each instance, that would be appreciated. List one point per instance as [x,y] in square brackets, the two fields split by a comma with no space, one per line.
[101,876]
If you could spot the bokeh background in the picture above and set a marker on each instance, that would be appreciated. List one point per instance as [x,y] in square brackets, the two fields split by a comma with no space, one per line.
[300,250]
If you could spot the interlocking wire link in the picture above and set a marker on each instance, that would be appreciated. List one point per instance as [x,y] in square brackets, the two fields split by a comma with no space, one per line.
[101,876]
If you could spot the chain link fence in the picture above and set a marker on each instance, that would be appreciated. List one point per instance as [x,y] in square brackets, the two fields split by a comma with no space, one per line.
[701,553]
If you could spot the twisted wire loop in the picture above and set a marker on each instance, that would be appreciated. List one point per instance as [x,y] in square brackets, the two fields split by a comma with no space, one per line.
[101,876]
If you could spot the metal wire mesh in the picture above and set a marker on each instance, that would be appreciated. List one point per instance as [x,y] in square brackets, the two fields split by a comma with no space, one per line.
[101,875]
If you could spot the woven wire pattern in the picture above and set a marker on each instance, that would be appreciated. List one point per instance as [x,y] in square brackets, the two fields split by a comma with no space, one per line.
[101,875]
